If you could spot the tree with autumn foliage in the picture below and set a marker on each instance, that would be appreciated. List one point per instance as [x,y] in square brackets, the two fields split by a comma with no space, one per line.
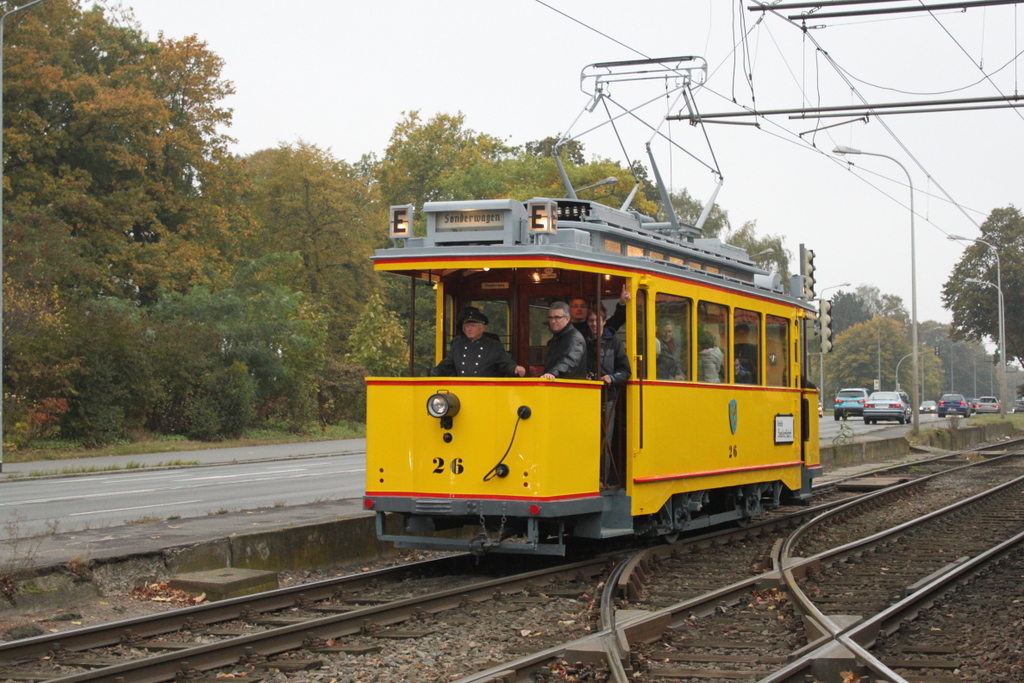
[308,203]
[116,163]
[378,342]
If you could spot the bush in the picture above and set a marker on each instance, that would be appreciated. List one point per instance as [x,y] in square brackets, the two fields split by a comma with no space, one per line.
[224,405]
[342,393]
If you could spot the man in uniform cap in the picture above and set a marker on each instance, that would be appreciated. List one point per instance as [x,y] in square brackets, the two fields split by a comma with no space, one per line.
[474,354]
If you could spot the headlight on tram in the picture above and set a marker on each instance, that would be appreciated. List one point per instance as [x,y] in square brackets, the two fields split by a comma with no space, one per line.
[443,405]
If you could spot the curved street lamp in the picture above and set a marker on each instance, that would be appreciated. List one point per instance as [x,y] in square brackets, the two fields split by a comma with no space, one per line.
[915,393]
[1002,319]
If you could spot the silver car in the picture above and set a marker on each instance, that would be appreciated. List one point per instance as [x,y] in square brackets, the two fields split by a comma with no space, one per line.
[887,405]
[988,404]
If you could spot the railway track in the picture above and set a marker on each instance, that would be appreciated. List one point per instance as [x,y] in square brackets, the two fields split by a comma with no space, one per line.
[764,628]
[326,623]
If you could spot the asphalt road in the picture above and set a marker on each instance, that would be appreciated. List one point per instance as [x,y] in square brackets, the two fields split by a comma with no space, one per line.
[234,479]
[828,427]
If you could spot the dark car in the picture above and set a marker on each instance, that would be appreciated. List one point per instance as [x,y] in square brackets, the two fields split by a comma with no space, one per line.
[1018,405]
[954,404]
[849,402]
[988,404]
[887,405]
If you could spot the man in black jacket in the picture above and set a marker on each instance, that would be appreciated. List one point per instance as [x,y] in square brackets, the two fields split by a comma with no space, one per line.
[614,366]
[566,348]
[473,354]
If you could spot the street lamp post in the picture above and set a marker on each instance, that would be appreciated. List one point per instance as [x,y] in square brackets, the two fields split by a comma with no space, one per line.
[898,369]
[1002,349]
[3,20]
[914,387]
[1002,319]
[821,356]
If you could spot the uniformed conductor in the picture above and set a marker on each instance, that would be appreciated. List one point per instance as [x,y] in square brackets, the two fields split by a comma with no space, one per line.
[473,354]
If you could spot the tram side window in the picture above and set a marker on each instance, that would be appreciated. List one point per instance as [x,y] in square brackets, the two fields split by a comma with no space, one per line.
[747,346]
[776,333]
[672,336]
[712,340]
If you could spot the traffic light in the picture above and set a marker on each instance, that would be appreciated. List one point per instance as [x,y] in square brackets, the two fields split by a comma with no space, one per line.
[825,323]
[807,270]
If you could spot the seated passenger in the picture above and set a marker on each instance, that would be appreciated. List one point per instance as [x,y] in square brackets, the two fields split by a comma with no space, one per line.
[709,358]
[743,375]
[667,361]
[566,348]
[668,366]
[472,353]
[746,353]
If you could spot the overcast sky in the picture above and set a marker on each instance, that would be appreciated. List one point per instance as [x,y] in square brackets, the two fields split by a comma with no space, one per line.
[340,74]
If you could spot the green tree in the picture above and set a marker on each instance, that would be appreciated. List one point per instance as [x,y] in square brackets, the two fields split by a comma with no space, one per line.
[848,309]
[378,341]
[423,158]
[887,305]
[268,328]
[308,203]
[746,237]
[975,307]
[689,209]
[571,151]
[868,351]
[111,388]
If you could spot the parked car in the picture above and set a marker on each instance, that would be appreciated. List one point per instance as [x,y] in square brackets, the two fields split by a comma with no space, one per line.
[849,402]
[954,404]
[988,404]
[887,405]
[929,407]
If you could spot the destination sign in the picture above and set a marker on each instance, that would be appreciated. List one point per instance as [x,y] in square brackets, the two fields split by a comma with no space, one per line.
[464,221]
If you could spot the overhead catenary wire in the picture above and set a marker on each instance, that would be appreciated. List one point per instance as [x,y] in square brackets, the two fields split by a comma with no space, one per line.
[867,109]
[986,76]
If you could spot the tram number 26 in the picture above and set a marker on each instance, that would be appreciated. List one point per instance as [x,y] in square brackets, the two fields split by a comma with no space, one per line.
[456,466]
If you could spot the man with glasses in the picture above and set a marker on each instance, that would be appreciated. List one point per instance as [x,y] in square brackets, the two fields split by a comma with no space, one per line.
[566,348]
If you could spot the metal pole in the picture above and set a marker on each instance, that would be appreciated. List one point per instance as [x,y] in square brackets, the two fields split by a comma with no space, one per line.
[821,373]
[951,367]
[915,389]
[898,370]
[3,20]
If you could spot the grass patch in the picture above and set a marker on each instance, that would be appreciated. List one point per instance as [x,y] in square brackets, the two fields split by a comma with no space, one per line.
[50,449]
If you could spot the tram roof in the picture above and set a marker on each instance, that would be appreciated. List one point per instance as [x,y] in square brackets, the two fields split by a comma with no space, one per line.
[462,234]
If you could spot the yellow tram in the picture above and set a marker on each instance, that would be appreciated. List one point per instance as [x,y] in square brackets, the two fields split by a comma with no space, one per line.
[715,424]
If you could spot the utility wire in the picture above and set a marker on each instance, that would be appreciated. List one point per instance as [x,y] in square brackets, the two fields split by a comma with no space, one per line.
[879,118]
[985,75]
[591,28]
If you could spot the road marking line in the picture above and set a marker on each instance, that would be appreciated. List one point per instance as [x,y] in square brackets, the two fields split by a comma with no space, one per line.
[141,507]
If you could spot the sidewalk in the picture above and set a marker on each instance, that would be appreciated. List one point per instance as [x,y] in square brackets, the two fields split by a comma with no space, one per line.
[210,456]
